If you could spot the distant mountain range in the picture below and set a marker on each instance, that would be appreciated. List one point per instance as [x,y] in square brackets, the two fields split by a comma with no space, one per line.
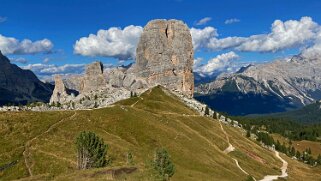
[278,86]
[18,86]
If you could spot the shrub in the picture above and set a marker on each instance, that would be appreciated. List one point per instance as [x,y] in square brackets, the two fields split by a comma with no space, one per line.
[130,160]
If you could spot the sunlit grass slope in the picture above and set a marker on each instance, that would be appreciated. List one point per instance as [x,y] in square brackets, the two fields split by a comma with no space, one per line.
[42,143]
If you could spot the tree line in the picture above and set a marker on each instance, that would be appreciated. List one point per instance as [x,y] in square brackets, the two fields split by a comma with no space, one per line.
[287,128]
[305,156]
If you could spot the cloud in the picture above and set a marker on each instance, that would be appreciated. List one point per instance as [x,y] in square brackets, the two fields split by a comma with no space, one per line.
[121,43]
[47,71]
[19,60]
[203,21]
[201,37]
[231,21]
[114,42]
[197,62]
[313,51]
[51,69]
[218,64]
[9,45]
[3,19]
[46,60]
[283,35]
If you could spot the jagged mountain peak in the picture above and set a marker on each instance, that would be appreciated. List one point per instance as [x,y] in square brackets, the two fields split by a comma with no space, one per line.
[277,86]
[244,68]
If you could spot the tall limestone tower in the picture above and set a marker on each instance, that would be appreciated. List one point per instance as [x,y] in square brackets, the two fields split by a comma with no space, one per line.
[165,56]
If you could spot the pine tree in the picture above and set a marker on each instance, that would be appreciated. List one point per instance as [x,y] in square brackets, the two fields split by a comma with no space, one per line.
[319,159]
[91,151]
[95,105]
[309,151]
[278,145]
[298,155]
[214,115]
[163,165]
[207,111]
[248,133]
[292,151]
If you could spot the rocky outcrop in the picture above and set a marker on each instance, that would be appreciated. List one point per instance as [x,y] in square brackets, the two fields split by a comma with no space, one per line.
[94,77]
[90,90]
[18,86]
[60,92]
[273,87]
[164,56]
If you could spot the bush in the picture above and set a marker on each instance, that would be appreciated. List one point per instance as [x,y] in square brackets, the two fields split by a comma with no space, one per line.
[163,165]
[249,178]
[91,151]
[130,160]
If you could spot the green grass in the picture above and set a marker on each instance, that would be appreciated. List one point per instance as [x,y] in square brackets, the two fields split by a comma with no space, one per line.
[195,143]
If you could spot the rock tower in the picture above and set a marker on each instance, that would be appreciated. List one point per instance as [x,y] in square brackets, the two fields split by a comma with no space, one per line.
[165,56]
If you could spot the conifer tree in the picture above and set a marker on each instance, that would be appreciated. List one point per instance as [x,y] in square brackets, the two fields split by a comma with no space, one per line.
[91,151]
[298,155]
[248,133]
[163,165]
[207,111]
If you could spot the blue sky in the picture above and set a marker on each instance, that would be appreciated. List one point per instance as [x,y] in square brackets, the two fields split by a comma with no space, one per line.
[66,21]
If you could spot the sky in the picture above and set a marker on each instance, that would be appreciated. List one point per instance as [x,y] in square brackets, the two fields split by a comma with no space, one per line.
[60,37]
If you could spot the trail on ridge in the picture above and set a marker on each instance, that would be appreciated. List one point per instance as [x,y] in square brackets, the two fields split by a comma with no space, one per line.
[231,148]
[284,167]
[26,153]
[283,170]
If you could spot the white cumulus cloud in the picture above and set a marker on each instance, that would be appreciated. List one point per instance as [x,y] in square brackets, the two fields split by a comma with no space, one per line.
[201,37]
[232,20]
[203,21]
[51,69]
[9,45]
[114,42]
[219,63]
[283,35]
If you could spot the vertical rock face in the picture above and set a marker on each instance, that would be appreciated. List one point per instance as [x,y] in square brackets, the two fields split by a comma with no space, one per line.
[94,77]
[59,92]
[165,55]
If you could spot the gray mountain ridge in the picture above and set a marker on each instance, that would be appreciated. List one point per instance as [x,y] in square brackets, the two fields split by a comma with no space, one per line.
[265,88]
[18,86]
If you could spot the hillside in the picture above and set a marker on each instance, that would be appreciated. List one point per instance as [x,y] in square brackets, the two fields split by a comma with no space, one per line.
[40,145]
[18,86]
[309,114]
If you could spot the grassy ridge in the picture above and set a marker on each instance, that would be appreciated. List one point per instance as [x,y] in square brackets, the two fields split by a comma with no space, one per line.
[138,125]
